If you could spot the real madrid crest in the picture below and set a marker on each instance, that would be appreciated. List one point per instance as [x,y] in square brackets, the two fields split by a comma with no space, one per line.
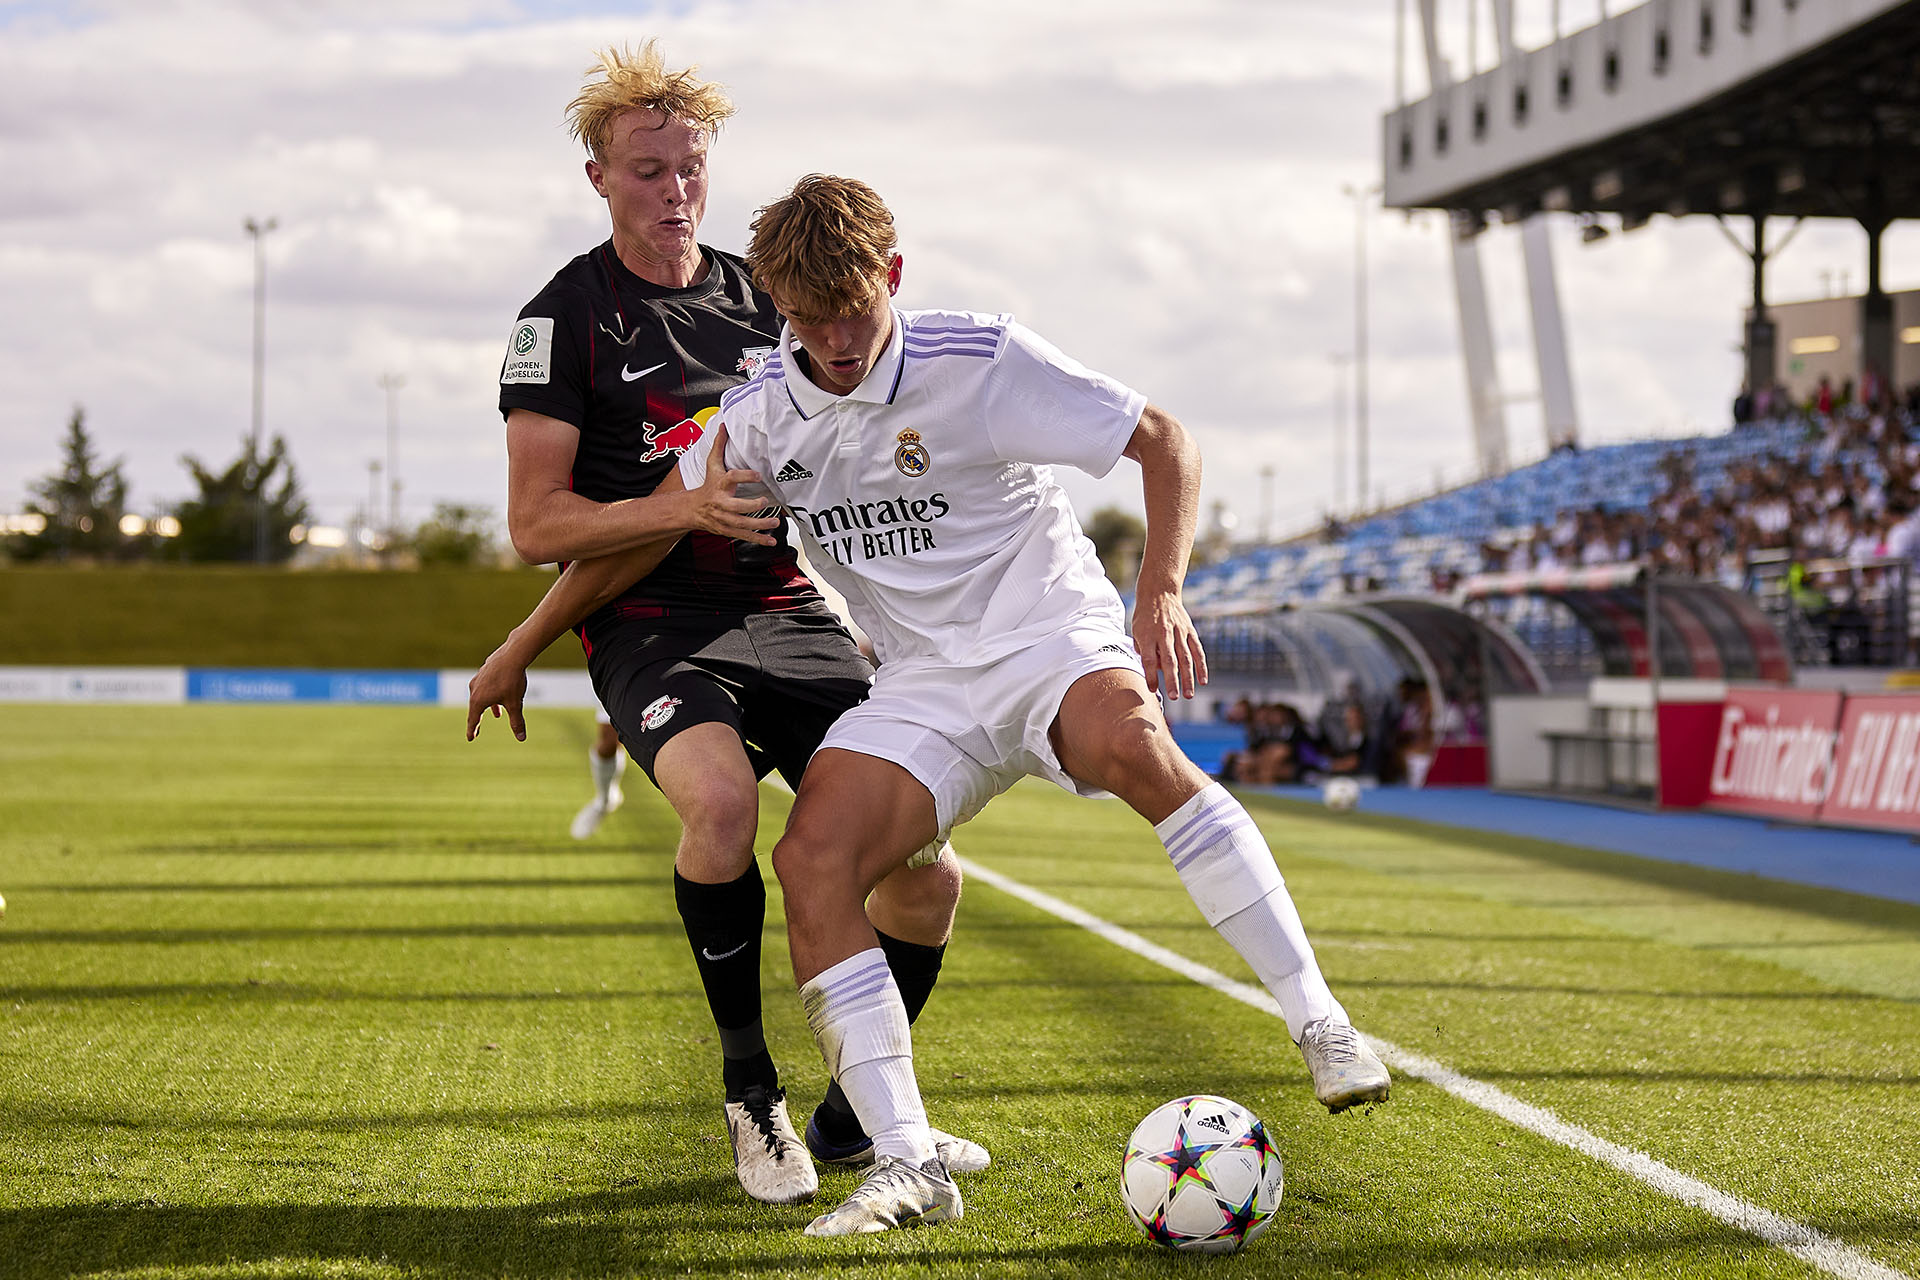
[911,457]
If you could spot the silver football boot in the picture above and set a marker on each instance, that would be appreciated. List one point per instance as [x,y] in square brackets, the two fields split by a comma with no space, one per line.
[1345,1070]
[960,1155]
[768,1157]
[898,1193]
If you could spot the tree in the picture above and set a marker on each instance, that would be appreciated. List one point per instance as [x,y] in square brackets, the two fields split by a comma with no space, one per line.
[82,503]
[455,536]
[219,524]
[1117,538]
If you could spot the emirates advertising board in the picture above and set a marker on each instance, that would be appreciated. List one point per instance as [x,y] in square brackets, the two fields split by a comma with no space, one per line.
[1819,757]
[1877,764]
[1775,752]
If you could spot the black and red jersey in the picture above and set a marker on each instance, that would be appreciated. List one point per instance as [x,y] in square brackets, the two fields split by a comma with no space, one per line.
[639,369]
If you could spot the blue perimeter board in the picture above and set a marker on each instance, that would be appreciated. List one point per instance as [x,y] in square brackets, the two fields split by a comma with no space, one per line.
[262,684]
[1874,863]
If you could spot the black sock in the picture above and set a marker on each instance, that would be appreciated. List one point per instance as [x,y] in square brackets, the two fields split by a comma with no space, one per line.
[723,923]
[741,1074]
[915,968]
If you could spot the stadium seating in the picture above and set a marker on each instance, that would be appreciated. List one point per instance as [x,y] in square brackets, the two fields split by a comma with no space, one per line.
[1401,550]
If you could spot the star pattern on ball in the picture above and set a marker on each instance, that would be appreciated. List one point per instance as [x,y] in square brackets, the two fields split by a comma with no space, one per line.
[1240,1218]
[1205,1175]
[1183,1161]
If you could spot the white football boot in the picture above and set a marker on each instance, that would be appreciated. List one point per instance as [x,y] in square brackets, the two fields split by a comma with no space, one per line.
[897,1193]
[959,1154]
[768,1157]
[1345,1070]
[588,820]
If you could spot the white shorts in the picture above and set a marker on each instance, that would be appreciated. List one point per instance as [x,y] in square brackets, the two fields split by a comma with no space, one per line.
[969,733]
[600,715]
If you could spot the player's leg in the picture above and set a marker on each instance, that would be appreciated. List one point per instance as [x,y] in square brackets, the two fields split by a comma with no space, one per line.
[605,763]
[912,915]
[681,723]
[812,676]
[1109,733]
[857,818]
[704,774]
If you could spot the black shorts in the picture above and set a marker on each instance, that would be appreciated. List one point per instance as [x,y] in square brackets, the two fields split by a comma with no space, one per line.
[779,680]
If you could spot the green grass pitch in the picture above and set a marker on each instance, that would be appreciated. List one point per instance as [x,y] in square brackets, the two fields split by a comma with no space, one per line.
[329,992]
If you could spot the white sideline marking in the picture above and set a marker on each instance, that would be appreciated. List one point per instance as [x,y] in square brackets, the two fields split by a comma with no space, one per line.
[1803,1242]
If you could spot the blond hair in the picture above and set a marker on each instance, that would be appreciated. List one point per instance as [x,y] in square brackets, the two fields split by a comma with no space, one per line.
[629,79]
[824,247]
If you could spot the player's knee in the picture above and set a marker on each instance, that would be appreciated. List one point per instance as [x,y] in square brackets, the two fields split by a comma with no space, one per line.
[802,862]
[918,904]
[1137,747]
[717,815]
[939,885]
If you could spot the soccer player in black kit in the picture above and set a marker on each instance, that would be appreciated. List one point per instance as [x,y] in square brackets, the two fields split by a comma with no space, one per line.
[724,662]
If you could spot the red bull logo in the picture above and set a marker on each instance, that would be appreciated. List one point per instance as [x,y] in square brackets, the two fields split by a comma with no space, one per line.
[671,441]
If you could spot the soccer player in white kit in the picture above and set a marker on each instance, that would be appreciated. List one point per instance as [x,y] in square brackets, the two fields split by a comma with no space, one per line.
[914,451]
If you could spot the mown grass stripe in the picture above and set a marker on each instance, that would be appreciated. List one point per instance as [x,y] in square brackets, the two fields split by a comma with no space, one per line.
[1804,1242]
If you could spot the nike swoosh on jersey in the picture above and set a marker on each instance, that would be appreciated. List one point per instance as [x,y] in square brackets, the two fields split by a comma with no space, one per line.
[725,954]
[625,376]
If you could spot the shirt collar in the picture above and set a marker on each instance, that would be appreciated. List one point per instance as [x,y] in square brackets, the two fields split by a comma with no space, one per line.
[878,387]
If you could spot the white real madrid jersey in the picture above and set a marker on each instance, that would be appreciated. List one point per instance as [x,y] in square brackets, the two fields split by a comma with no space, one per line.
[926,494]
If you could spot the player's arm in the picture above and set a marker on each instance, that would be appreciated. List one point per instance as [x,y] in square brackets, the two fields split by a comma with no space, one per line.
[586,586]
[1170,481]
[501,682]
[548,522]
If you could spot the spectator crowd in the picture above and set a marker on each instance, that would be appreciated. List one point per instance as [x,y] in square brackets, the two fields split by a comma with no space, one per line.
[1390,741]
[1835,516]
[1836,511]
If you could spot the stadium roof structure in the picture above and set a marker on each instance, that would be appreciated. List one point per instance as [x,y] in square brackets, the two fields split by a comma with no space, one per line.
[1804,108]
[1750,108]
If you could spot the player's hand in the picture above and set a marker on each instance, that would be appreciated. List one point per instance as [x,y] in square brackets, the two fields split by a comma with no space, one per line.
[1170,652]
[717,506]
[501,682]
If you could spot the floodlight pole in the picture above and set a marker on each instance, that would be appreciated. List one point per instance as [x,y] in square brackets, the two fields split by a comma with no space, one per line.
[1339,360]
[258,230]
[391,383]
[373,504]
[1266,504]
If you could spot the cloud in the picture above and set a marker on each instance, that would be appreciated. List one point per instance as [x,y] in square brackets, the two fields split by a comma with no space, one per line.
[1155,187]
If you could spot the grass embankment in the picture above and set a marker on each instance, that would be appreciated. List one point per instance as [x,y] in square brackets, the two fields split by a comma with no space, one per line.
[245,617]
[320,991]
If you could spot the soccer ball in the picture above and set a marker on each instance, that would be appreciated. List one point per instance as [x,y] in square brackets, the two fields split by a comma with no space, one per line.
[1340,794]
[1201,1175]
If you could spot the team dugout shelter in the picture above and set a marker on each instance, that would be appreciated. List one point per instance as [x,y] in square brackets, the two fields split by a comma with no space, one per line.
[1318,655]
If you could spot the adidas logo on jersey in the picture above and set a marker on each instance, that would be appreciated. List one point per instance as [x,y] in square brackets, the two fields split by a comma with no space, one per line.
[791,472]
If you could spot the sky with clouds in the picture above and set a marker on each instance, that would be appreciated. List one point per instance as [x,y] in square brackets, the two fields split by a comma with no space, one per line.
[1155,185]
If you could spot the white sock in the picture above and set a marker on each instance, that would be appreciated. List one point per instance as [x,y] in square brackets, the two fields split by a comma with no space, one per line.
[1229,872]
[860,1024]
[606,771]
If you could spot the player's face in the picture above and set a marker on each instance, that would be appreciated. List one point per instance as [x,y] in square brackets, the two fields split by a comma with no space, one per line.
[841,351]
[654,179]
